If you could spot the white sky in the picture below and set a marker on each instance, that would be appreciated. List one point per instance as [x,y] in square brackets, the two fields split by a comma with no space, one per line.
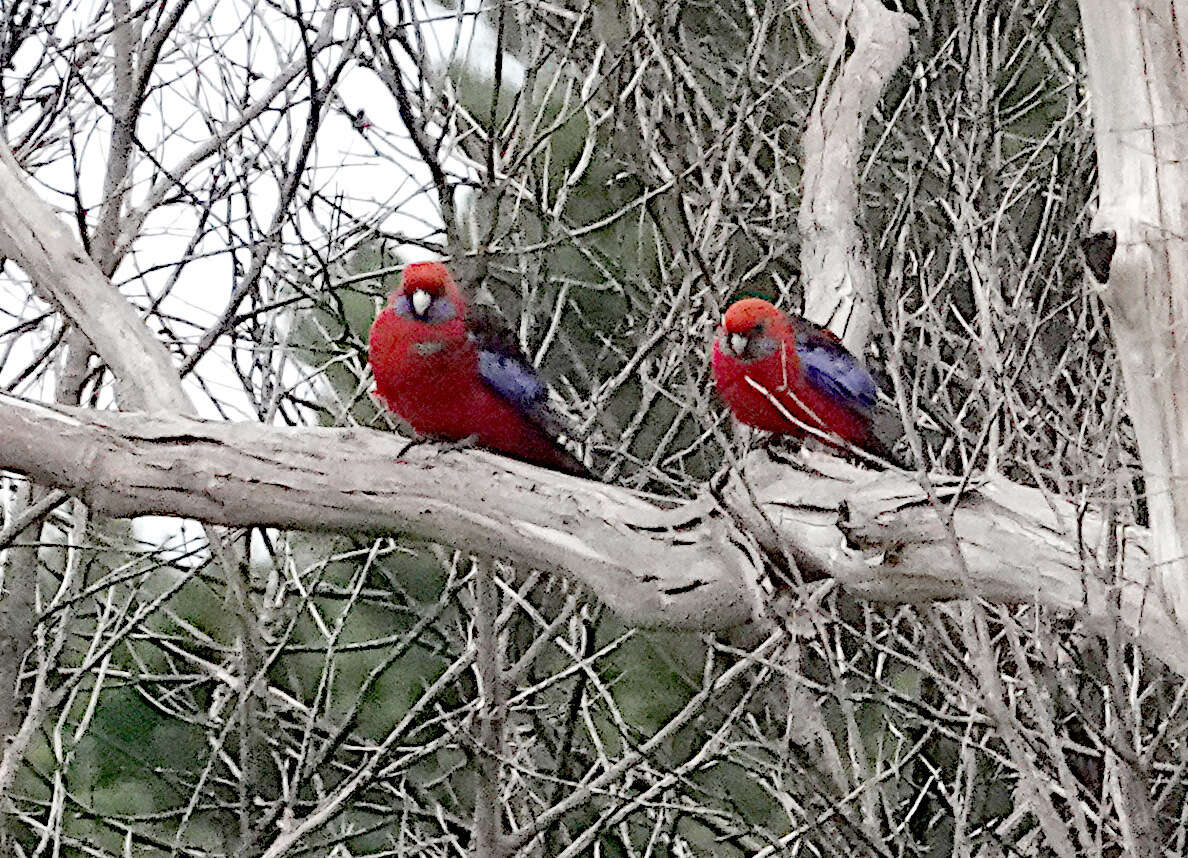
[384,185]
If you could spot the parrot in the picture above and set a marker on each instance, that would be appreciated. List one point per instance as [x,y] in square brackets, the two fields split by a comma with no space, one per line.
[444,368]
[761,354]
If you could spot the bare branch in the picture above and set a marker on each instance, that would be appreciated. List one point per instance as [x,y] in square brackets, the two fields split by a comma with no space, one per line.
[685,567]
[32,235]
[835,264]
[1137,86]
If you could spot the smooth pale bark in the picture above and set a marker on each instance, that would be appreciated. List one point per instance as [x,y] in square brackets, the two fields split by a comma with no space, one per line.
[1138,89]
[690,566]
[356,480]
[835,265]
[50,255]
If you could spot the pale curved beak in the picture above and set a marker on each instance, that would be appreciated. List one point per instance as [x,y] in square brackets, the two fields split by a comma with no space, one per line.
[421,301]
[738,343]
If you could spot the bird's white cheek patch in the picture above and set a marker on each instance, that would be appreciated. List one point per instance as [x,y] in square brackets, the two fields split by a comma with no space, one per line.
[431,347]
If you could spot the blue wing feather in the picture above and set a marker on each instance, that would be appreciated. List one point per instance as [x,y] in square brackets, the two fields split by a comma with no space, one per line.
[510,374]
[514,380]
[830,368]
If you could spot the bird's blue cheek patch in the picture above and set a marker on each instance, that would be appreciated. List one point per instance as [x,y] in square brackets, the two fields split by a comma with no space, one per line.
[439,310]
[760,347]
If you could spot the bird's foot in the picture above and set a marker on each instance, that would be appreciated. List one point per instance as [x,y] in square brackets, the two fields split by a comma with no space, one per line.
[466,443]
[443,445]
[779,449]
[771,443]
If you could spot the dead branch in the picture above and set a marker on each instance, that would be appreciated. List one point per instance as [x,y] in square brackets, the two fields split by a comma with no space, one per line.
[684,567]
[1137,84]
[838,275]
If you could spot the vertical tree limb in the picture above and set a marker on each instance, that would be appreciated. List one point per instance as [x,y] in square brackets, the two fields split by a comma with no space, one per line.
[1138,88]
[835,266]
[488,666]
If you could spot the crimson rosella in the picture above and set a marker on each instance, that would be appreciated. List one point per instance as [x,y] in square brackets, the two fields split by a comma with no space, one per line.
[449,374]
[782,373]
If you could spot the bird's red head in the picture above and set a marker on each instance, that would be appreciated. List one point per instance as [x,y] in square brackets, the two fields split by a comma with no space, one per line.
[751,329]
[431,277]
[427,293]
[749,314]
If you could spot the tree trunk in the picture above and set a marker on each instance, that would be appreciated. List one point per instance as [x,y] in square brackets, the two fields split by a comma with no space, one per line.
[1138,88]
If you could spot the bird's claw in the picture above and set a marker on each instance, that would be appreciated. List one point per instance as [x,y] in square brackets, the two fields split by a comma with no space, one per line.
[443,445]
[779,449]
[459,444]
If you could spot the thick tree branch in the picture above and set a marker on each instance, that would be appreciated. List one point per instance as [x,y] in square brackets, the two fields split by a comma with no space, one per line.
[684,567]
[33,236]
[1137,86]
[838,276]
[632,554]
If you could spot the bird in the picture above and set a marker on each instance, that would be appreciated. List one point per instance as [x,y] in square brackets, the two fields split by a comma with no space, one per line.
[784,374]
[446,369]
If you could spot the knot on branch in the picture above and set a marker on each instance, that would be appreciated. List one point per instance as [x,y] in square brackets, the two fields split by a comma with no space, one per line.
[893,510]
[1099,253]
